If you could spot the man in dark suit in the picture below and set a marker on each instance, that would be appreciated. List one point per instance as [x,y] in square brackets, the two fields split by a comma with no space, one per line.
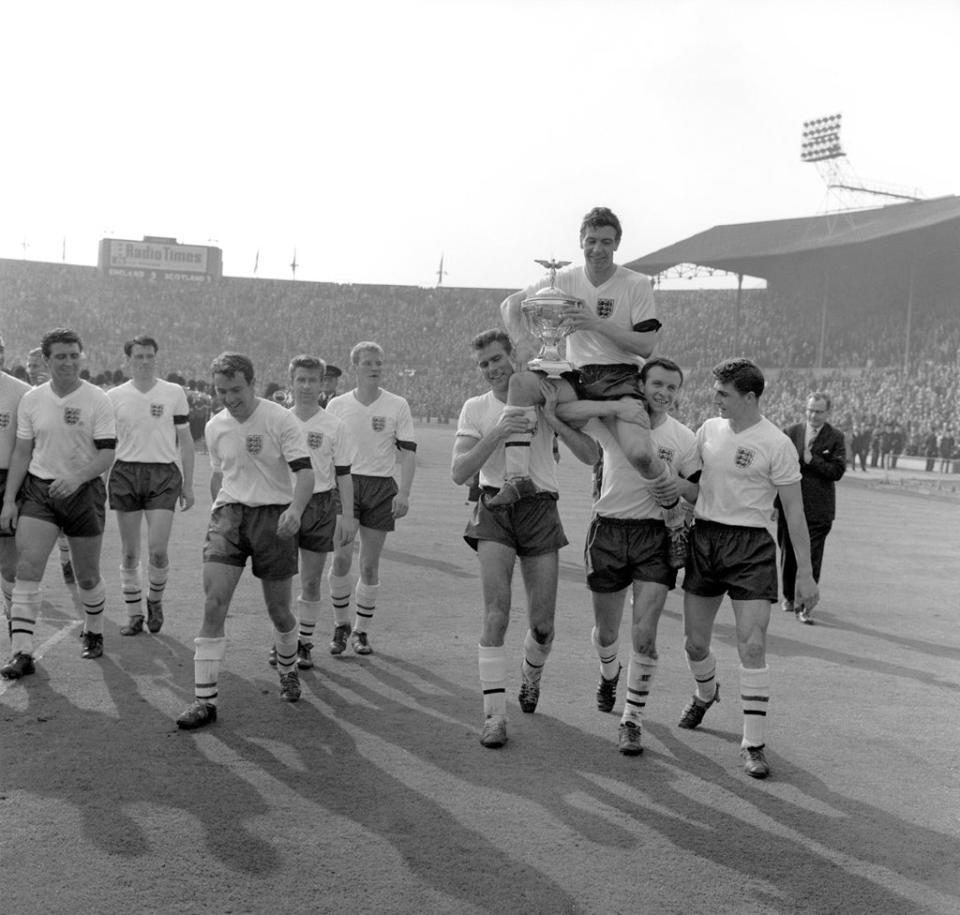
[822,462]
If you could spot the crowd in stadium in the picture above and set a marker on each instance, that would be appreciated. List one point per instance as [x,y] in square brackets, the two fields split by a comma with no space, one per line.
[425,331]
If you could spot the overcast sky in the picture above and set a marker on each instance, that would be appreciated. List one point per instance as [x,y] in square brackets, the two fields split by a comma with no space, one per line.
[372,137]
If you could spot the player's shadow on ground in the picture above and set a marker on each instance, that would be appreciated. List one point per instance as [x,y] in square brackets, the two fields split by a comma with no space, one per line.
[934,649]
[565,763]
[101,763]
[333,774]
[787,647]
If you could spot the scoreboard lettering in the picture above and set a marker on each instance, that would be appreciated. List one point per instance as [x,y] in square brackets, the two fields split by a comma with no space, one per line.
[160,258]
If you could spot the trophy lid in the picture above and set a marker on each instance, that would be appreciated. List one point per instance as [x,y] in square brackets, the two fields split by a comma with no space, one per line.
[551,295]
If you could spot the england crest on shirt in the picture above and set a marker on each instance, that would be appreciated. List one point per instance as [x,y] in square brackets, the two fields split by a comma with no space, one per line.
[314,440]
[156,410]
[254,444]
[744,457]
[665,455]
[604,308]
[4,420]
[379,423]
[71,415]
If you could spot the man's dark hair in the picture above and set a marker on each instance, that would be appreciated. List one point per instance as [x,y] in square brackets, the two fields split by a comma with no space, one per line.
[59,335]
[662,362]
[744,375]
[599,217]
[496,335]
[231,364]
[309,363]
[140,340]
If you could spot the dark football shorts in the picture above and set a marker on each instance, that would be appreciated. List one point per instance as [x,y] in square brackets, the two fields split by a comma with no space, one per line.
[79,515]
[620,551]
[238,531]
[319,521]
[606,382]
[138,486]
[724,559]
[530,527]
[373,502]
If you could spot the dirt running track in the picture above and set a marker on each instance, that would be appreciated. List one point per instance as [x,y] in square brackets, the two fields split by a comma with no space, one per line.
[373,794]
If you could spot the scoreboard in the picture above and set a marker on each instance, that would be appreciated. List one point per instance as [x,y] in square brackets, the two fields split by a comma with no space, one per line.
[157,258]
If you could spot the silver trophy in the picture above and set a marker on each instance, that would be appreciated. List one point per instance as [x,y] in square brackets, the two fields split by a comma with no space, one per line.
[544,313]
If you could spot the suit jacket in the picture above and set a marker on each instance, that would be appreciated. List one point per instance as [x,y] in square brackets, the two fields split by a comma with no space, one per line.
[827,465]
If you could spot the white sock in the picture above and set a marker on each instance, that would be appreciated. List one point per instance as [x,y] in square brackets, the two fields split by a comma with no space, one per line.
[640,672]
[609,664]
[286,644]
[157,578]
[341,590]
[93,599]
[493,679]
[131,587]
[308,612]
[705,673]
[366,597]
[535,655]
[208,656]
[516,449]
[23,616]
[754,701]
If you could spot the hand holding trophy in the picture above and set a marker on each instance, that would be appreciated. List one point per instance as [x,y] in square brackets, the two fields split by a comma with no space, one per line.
[544,313]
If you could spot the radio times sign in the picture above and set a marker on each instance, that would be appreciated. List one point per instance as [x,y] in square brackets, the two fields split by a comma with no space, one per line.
[155,258]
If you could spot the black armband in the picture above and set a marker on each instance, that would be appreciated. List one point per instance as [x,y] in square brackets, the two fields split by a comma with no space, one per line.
[342,470]
[299,464]
[694,477]
[651,325]
[180,419]
[407,446]
[105,444]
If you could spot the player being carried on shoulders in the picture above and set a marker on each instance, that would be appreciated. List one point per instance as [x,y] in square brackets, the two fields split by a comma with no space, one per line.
[614,331]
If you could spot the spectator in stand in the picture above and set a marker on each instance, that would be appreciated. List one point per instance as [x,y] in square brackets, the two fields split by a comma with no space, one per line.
[947,444]
[894,445]
[930,449]
[860,445]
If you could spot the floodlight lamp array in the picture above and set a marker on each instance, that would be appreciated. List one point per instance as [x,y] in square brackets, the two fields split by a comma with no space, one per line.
[821,139]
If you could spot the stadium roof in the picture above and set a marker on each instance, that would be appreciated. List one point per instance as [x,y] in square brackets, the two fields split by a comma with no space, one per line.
[760,248]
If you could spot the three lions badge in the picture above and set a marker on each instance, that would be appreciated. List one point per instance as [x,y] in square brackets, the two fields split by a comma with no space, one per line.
[604,308]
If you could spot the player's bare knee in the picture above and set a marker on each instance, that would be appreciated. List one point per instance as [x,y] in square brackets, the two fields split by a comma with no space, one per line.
[542,633]
[159,559]
[524,389]
[87,581]
[695,650]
